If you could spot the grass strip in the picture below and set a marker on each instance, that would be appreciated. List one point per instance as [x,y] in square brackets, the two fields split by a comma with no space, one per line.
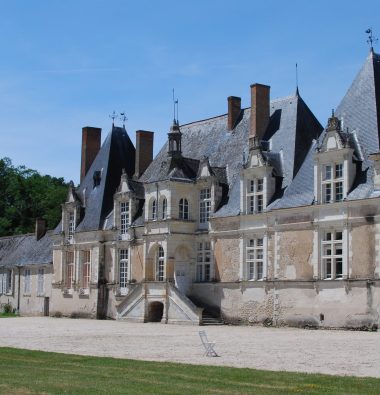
[37,372]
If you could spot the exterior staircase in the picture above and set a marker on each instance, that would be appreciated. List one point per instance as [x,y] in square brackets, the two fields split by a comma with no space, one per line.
[210,314]
[209,319]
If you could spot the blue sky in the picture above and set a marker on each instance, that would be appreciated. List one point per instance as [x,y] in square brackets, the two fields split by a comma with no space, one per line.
[69,64]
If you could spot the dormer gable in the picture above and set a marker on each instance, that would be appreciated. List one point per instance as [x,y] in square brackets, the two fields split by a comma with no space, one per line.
[204,169]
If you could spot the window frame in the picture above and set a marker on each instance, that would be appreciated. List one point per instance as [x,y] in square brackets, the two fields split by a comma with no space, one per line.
[124,270]
[160,264]
[86,269]
[183,209]
[203,264]
[332,182]
[40,281]
[124,215]
[69,269]
[27,281]
[255,195]
[332,254]
[204,205]
[255,258]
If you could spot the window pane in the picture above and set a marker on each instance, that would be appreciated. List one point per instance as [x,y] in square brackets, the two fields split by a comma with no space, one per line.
[339,191]
[339,170]
[259,270]
[328,236]
[260,184]
[259,242]
[338,267]
[327,173]
[259,203]
[328,268]
[338,236]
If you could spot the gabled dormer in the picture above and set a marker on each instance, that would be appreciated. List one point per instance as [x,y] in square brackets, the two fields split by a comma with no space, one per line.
[71,213]
[126,204]
[334,167]
[258,180]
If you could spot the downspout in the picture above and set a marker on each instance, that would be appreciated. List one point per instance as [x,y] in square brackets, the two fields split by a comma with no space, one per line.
[18,289]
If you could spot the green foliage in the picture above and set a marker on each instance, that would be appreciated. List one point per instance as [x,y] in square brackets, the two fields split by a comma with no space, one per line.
[26,195]
[23,371]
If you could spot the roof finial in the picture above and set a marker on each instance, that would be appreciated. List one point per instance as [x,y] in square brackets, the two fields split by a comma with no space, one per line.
[332,113]
[297,91]
[113,116]
[371,39]
[175,110]
[124,118]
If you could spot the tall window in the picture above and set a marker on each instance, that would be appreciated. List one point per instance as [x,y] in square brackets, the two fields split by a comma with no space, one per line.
[203,261]
[27,281]
[164,208]
[332,183]
[204,205]
[40,281]
[183,209]
[123,268]
[86,268]
[160,264]
[255,196]
[332,254]
[69,269]
[255,259]
[154,210]
[124,217]
[7,284]
[71,225]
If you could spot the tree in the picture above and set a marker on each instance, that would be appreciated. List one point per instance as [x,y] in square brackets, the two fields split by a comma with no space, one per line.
[26,195]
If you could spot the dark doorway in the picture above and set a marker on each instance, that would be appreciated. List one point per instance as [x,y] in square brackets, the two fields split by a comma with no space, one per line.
[46,307]
[155,311]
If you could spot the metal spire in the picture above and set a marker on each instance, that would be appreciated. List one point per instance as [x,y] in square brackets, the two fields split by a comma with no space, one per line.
[113,116]
[124,118]
[297,91]
[175,106]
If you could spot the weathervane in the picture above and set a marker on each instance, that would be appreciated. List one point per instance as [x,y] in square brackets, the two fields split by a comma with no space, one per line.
[113,116]
[371,39]
[124,118]
[175,106]
[297,79]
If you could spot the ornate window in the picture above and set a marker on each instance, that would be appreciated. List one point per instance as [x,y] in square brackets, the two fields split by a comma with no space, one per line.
[69,269]
[332,183]
[255,259]
[164,208]
[203,261]
[27,278]
[86,268]
[123,269]
[40,282]
[332,254]
[255,196]
[184,209]
[124,217]
[154,210]
[204,205]
[160,264]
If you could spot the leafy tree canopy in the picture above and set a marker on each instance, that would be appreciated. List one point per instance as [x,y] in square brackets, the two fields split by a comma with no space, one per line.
[26,195]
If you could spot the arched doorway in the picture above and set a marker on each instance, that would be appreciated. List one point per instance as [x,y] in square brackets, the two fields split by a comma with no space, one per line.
[155,311]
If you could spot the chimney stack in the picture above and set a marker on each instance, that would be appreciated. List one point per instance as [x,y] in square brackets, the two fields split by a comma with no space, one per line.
[259,111]
[234,110]
[144,151]
[40,229]
[91,138]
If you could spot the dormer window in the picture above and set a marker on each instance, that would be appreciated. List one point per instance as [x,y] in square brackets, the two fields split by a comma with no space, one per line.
[204,205]
[255,196]
[124,217]
[71,225]
[332,183]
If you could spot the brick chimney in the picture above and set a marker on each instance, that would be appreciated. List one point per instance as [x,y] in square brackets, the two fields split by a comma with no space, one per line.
[91,138]
[259,111]
[144,151]
[234,110]
[40,229]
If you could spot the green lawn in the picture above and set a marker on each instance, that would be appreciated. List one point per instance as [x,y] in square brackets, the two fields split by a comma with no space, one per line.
[26,372]
[7,315]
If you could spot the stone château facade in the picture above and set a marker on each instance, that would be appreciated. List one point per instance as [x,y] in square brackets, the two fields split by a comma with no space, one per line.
[256,216]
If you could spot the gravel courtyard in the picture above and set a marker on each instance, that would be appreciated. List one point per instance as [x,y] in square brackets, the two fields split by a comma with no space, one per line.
[331,352]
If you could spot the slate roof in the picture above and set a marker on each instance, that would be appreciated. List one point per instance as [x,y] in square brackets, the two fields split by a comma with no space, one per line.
[25,250]
[358,112]
[116,153]
[292,127]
